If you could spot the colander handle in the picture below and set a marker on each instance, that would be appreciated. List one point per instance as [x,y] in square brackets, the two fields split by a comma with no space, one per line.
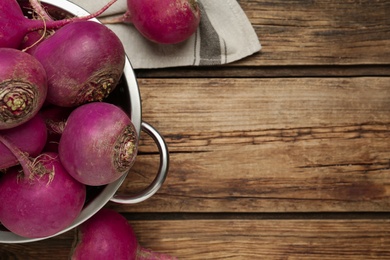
[161,175]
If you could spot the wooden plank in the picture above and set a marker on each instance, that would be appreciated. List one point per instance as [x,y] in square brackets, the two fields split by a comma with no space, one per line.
[239,239]
[232,71]
[319,32]
[267,145]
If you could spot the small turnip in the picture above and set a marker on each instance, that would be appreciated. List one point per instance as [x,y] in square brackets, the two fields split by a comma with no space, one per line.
[84,62]
[162,21]
[108,235]
[99,143]
[23,87]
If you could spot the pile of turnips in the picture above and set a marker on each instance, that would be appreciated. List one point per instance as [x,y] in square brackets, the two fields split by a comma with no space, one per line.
[56,91]
[59,135]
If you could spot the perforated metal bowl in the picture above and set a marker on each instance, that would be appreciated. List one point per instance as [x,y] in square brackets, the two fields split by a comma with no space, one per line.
[127,96]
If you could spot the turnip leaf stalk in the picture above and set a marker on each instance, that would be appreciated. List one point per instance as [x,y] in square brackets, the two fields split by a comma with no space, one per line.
[14,26]
[38,8]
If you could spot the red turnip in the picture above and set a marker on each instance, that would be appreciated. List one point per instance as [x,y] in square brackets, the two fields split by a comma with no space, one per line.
[108,235]
[99,143]
[29,137]
[14,25]
[84,62]
[164,21]
[42,200]
[23,87]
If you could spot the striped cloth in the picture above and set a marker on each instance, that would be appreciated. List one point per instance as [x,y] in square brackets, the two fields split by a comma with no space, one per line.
[224,35]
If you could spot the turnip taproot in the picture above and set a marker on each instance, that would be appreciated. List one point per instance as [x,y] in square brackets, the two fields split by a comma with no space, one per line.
[29,137]
[84,62]
[14,25]
[162,21]
[108,235]
[42,200]
[39,10]
[23,87]
[99,143]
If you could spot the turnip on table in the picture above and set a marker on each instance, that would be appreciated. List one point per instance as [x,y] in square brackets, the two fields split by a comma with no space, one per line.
[108,235]
[162,21]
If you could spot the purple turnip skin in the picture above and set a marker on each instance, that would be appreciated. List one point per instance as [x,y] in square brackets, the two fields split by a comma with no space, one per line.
[29,137]
[14,25]
[108,235]
[23,87]
[36,205]
[99,143]
[83,60]
[164,21]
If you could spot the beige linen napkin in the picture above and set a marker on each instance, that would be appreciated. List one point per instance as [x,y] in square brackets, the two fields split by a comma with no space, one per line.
[224,35]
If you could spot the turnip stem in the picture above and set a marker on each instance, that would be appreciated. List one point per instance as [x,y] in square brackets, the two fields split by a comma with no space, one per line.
[38,25]
[38,8]
[40,39]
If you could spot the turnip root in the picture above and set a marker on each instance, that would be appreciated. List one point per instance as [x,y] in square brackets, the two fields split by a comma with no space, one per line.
[42,201]
[99,143]
[108,235]
[23,87]
[39,10]
[14,25]
[162,21]
[29,137]
[84,62]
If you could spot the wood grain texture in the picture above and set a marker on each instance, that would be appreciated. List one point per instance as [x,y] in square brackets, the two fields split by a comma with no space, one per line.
[319,32]
[267,145]
[239,239]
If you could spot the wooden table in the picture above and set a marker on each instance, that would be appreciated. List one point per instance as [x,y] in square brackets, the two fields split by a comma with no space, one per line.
[282,155]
